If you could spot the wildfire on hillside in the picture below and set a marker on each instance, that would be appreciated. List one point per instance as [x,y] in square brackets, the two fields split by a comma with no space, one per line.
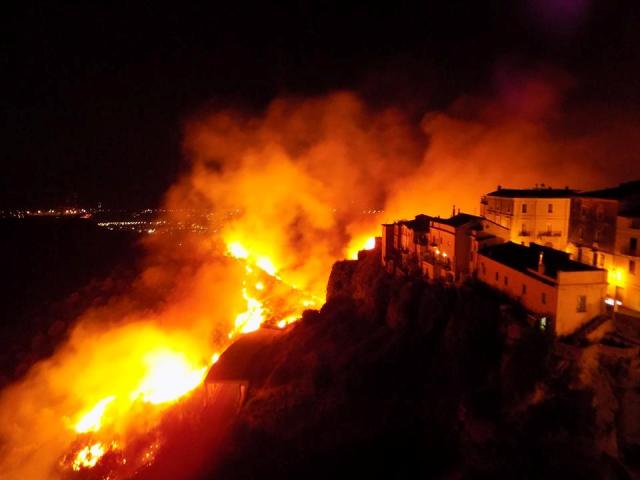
[110,438]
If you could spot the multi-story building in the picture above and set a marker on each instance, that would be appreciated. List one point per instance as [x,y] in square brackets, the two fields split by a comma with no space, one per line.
[564,294]
[538,215]
[604,231]
[403,242]
[448,255]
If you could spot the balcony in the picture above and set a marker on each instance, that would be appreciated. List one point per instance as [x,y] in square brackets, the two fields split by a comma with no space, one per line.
[550,233]
[524,233]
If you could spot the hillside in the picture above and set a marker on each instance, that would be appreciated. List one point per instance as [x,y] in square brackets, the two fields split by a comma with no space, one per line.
[397,378]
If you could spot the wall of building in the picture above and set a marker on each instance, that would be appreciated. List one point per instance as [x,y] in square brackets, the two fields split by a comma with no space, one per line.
[531,298]
[539,220]
[625,271]
[560,300]
[571,285]
[593,223]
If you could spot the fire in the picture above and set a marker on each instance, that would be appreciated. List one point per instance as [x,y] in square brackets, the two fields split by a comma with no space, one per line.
[360,243]
[170,376]
[251,319]
[89,456]
[91,421]
[237,250]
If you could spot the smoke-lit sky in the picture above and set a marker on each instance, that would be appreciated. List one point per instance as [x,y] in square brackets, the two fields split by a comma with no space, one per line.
[96,99]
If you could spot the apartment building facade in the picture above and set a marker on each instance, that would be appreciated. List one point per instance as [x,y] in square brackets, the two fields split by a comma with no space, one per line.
[537,215]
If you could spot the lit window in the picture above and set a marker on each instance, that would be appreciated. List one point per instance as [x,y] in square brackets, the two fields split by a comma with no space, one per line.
[524,208]
[543,298]
[582,303]
[550,208]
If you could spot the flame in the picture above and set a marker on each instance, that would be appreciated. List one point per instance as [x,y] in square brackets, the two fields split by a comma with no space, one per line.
[170,376]
[251,319]
[237,250]
[360,243]
[91,421]
[89,456]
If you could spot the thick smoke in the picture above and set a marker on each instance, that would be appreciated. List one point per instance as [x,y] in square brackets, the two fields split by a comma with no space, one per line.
[299,177]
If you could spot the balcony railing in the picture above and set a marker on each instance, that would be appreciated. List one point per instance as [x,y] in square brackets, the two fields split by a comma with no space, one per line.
[524,233]
[549,233]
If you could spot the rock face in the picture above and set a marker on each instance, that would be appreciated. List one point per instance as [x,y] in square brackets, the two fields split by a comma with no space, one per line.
[397,377]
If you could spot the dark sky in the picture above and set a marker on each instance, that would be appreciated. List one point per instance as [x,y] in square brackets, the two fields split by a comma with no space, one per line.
[94,98]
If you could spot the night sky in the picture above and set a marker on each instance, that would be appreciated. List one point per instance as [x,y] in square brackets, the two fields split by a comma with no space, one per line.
[95,98]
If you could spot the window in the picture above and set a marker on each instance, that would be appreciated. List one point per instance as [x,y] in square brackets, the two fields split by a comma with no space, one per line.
[524,208]
[632,267]
[550,208]
[543,298]
[582,303]
[548,228]
[484,268]
[524,289]
[497,276]
[596,237]
[506,280]
[633,245]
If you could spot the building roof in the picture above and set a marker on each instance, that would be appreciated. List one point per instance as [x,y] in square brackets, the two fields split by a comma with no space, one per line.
[523,258]
[458,220]
[621,192]
[419,224]
[540,192]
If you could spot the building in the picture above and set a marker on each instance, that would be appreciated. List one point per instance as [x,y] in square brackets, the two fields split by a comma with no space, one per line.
[536,215]
[604,231]
[625,272]
[564,294]
[449,248]
[403,242]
